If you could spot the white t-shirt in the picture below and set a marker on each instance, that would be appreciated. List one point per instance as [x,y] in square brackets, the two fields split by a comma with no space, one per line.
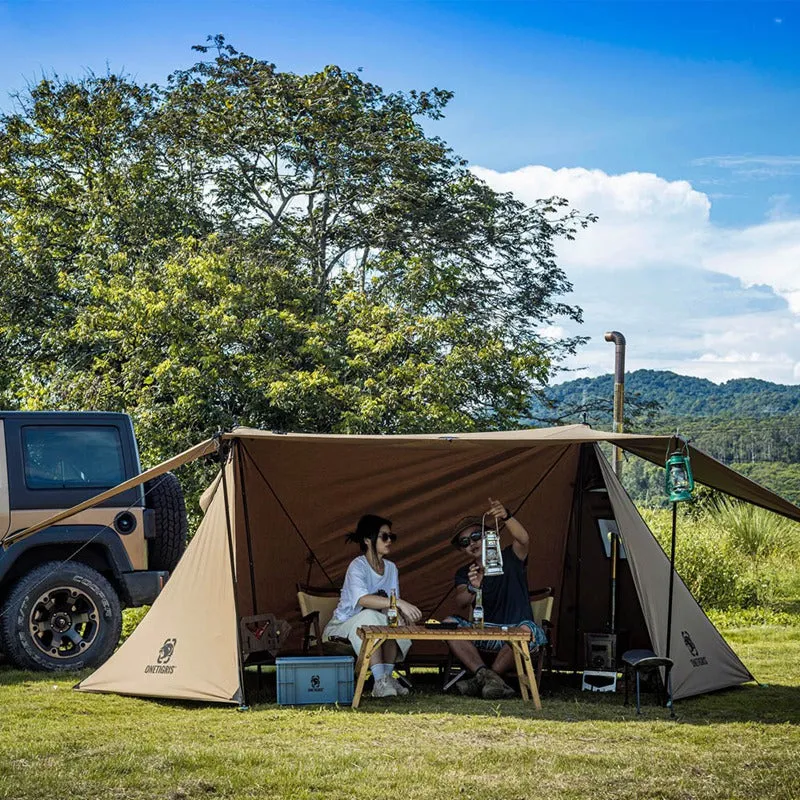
[361,579]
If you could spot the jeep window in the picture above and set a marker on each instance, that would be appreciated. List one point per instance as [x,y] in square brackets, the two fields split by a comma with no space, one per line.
[75,456]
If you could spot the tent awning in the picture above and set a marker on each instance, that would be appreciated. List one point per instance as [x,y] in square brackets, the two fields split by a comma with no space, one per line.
[655,449]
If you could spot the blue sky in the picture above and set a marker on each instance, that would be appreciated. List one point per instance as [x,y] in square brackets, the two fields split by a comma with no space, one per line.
[677,123]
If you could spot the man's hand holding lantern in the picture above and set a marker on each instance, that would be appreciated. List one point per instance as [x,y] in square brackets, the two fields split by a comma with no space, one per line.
[498,510]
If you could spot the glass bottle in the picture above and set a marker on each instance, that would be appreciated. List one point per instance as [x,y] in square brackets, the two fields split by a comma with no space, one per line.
[477,611]
[391,612]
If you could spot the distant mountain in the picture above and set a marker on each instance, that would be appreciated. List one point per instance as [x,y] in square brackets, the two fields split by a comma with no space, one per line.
[749,424]
[677,396]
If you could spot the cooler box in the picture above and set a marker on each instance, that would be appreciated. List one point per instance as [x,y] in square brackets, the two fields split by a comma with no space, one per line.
[318,679]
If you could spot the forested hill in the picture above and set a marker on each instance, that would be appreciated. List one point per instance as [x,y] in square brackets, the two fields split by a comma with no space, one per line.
[682,396]
[752,425]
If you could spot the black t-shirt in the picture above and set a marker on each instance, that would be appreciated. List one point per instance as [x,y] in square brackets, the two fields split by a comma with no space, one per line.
[505,597]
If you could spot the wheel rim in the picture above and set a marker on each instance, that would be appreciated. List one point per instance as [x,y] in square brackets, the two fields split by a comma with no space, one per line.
[63,622]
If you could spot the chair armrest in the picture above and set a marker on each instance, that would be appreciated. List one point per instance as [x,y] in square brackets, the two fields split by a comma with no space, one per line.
[311,620]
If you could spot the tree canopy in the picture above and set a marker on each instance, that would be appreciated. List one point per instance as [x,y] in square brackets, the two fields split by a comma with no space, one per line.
[286,251]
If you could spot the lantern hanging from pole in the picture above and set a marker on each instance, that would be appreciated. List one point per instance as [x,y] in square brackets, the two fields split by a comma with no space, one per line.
[679,478]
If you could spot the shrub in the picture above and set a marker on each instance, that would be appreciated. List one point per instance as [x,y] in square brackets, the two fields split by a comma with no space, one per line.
[755,532]
[131,617]
[719,574]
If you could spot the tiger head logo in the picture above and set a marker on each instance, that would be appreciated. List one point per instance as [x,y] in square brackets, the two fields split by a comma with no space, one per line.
[690,645]
[166,650]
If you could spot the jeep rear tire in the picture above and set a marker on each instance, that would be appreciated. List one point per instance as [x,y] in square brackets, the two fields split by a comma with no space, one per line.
[60,616]
[164,496]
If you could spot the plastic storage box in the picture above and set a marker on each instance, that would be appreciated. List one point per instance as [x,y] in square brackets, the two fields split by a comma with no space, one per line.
[319,679]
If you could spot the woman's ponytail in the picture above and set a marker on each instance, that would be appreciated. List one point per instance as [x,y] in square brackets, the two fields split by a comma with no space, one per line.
[368,527]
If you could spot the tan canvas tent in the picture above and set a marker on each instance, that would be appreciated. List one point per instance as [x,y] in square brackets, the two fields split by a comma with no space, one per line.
[290,498]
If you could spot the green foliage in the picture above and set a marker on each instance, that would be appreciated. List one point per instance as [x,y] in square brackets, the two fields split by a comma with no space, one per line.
[733,556]
[757,533]
[780,477]
[131,617]
[750,617]
[287,251]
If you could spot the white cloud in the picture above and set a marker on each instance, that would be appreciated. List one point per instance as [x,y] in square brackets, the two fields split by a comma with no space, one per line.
[689,295]
[644,219]
[553,332]
[767,253]
[756,167]
[747,160]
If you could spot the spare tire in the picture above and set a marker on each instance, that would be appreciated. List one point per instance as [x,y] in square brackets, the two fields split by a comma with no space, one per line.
[163,494]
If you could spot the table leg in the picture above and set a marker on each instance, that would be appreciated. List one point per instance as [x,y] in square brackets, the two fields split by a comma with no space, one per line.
[520,670]
[526,660]
[367,649]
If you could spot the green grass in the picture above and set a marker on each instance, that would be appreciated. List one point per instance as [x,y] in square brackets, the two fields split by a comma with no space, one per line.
[740,743]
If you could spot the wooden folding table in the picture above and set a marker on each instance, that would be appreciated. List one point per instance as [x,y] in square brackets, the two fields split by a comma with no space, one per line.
[518,639]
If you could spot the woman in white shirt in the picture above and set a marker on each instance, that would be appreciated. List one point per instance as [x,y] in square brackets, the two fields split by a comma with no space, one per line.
[365,598]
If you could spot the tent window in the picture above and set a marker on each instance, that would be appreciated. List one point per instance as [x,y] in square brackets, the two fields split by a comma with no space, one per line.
[606,527]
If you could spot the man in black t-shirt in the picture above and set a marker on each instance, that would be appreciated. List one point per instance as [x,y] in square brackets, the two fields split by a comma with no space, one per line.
[505,602]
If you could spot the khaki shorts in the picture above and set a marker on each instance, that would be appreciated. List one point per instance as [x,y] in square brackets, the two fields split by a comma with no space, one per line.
[348,628]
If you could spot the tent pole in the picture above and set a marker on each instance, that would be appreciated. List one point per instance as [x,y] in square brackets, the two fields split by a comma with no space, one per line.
[247,529]
[669,609]
[671,577]
[613,626]
[223,457]
[578,555]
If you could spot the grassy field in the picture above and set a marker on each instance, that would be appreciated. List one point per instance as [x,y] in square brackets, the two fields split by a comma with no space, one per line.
[741,743]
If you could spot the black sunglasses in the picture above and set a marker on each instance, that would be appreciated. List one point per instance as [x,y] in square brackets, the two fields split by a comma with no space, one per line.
[387,537]
[475,536]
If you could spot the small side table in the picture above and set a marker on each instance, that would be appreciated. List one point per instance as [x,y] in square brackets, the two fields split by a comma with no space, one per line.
[640,660]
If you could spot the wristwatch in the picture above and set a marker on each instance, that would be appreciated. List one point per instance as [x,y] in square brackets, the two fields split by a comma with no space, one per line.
[508,516]
[471,588]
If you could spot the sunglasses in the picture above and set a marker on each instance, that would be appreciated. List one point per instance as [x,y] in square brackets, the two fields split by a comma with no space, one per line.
[387,537]
[464,541]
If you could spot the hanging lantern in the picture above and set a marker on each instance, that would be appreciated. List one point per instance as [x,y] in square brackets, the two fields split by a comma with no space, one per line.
[679,478]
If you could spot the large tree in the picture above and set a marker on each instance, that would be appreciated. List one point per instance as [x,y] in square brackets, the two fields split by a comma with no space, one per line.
[290,251]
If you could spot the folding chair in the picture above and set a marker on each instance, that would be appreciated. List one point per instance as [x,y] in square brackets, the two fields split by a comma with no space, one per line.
[317,605]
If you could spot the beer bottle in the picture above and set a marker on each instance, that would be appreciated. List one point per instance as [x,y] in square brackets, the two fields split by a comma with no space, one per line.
[391,612]
[477,611]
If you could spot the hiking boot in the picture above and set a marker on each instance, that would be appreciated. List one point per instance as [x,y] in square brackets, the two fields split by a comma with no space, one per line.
[493,687]
[384,688]
[469,687]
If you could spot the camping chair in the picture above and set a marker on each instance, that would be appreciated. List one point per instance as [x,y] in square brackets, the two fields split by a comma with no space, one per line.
[316,609]
[541,613]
